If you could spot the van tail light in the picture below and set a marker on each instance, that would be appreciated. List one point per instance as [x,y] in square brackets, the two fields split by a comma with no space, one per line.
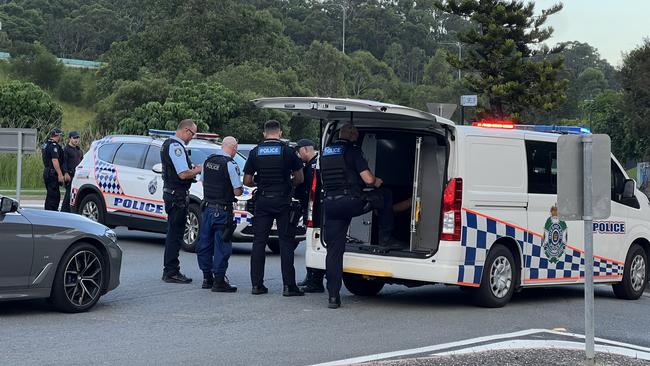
[452,199]
[312,199]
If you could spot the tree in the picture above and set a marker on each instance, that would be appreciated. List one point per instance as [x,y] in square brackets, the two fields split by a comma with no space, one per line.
[25,105]
[606,116]
[367,77]
[35,63]
[635,76]
[324,70]
[501,63]
[437,71]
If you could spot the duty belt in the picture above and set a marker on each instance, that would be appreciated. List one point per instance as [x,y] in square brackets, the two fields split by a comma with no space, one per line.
[175,191]
[227,207]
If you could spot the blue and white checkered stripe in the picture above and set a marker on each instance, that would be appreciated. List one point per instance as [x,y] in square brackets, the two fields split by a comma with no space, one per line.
[106,178]
[242,217]
[479,232]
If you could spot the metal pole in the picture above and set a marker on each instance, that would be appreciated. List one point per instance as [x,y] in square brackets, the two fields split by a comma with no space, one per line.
[19,165]
[587,145]
[344,14]
[460,56]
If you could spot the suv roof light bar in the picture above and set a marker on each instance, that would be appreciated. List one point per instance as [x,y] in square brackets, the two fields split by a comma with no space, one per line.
[202,135]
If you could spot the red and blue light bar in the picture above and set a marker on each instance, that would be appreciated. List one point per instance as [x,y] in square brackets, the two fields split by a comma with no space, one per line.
[200,135]
[509,125]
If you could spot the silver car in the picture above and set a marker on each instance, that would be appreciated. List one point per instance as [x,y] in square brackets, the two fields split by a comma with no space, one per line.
[66,258]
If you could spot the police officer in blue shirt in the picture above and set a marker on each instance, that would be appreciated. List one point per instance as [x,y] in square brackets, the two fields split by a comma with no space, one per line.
[270,167]
[221,183]
[178,174]
[345,174]
[53,177]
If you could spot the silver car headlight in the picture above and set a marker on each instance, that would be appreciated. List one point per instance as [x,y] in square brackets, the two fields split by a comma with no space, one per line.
[240,205]
[110,234]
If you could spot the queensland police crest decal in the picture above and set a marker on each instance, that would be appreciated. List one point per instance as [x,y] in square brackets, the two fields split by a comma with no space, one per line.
[153,186]
[555,237]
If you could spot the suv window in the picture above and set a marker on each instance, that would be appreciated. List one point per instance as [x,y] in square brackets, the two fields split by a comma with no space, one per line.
[107,152]
[130,155]
[541,157]
[618,182]
[153,157]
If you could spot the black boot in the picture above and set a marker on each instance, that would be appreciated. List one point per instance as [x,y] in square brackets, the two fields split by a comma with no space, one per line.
[292,291]
[221,284]
[308,277]
[314,281]
[208,280]
[334,302]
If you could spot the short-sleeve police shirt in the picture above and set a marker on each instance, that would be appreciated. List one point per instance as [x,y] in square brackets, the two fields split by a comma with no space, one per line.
[52,151]
[233,171]
[291,161]
[177,154]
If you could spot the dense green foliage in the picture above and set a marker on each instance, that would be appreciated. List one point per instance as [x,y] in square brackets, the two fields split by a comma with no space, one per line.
[25,105]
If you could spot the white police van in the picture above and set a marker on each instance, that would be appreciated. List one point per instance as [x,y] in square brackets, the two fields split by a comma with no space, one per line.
[118,183]
[480,207]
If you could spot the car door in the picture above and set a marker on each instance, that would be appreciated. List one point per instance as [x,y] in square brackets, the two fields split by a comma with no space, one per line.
[128,161]
[16,250]
[154,181]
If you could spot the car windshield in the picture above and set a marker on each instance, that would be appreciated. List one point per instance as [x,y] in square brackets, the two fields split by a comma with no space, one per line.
[199,154]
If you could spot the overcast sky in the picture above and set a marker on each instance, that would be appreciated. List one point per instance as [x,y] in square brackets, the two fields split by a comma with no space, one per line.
[612,26]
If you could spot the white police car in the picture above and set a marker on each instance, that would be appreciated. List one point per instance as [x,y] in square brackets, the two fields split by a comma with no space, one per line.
[117,184]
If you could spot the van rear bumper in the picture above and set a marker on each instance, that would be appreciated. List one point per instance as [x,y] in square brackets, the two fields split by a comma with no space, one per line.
[432,270]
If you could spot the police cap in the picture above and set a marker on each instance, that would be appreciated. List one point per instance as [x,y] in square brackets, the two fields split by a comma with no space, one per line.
[55,132]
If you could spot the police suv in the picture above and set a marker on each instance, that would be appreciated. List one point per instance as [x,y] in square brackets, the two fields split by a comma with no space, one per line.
[119,183]
[475,206]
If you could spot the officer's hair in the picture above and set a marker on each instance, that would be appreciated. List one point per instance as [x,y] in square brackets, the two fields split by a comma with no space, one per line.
[229,141]
[346,131]
[186,123]
[272,126]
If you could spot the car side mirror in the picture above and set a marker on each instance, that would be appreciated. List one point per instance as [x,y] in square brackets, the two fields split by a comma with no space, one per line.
[628,188]
[8,205]
[157,168]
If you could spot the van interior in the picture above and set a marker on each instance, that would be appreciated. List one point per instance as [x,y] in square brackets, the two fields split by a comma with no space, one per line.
[412,164]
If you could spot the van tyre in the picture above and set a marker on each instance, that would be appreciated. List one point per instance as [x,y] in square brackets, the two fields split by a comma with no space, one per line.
[498,278]
[192,228]
[92,207]
[635,275]
[362,286]
[79,279]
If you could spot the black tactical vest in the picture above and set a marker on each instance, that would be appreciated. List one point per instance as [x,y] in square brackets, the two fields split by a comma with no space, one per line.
[217,187]
[338,178]
[272,175]
[170,177]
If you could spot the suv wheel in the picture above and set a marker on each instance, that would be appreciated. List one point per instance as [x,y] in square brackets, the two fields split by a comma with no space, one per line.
[92,207]
[79,279]
[635,275]
[192,228]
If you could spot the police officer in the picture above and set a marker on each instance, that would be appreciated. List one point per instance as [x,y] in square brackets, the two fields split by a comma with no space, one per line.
[178,173]
[52,172]
[221,184]
[345,173]
[313,282]
[72,157]
[272,163]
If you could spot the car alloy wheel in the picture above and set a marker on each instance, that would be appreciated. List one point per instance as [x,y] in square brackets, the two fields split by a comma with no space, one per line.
[191,228]
[500,277]
[91,211]
[638,273]
[83,278]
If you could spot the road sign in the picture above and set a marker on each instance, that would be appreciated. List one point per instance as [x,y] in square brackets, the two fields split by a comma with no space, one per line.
[583,192]
[469,100]
[445,110]
[570,178]
[20,141]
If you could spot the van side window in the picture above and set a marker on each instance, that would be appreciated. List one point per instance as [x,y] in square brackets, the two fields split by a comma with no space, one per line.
[618,182]
[541,157]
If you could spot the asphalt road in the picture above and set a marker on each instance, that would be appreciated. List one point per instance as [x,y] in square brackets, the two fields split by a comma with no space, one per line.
[146,321]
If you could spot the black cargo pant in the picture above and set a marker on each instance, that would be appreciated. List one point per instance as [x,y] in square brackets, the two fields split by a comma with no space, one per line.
[65,205]
[267,209]
[176,206]
[53,195]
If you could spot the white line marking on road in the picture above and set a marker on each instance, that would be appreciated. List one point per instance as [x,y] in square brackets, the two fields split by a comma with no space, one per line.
[620,348]
[380,356]
[530,343]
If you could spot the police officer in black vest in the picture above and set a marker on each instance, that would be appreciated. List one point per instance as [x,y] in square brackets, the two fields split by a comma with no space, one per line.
[269,167]
[345,174]
[53,177]
[178,173]
[313,282]
[221,183]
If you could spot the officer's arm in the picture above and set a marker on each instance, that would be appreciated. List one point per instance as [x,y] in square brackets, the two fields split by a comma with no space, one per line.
[57,167]
[248,180]
[298,177]
[233,172]
[368,177]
